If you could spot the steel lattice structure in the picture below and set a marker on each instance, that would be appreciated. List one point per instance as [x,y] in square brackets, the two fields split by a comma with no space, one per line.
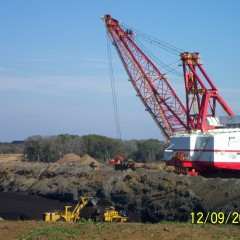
[155,91]
[202,95]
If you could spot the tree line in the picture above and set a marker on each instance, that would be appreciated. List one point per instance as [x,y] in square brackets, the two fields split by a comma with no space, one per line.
[52,148]
[13,147]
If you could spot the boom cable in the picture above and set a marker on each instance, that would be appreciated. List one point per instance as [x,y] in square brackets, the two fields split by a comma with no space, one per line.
[169,68]
[170,48]
[113,89]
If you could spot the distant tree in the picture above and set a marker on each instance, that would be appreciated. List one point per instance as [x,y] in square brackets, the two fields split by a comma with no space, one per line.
[149,150]
[7,148]
[102,147]
[50,149]
[130,148]
[32,148]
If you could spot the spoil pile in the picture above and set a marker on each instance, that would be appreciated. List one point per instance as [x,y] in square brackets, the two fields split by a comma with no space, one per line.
[85,160]
[148,195]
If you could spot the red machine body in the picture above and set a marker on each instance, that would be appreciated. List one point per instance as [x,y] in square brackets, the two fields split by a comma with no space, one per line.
[120,162]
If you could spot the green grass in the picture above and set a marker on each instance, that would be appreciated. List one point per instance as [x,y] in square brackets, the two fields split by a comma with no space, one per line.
[65,231]
[52,233]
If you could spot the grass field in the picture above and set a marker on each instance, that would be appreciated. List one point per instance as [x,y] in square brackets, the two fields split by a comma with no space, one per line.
[37,230]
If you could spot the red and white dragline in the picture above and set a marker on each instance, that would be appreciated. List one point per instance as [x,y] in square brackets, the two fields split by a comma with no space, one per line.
[197,140]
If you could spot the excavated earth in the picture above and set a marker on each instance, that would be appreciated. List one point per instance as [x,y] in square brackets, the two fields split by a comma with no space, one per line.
[27,189]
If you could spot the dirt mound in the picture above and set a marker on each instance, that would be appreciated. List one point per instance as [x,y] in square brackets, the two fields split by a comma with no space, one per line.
[84,160]
[11,157]
[151,194]
[161,166]
[70,157]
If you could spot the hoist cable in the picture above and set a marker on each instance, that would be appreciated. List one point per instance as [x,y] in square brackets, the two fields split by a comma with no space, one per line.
[113,90]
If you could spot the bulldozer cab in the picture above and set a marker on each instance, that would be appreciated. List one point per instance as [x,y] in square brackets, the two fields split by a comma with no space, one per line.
[112,215]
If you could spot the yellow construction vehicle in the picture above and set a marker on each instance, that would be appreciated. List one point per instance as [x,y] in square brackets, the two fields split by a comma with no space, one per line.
[112,215]
[72,214]
[67,214]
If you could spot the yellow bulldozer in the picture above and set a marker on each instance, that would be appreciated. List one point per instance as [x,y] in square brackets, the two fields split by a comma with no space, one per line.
[112,215]
[72,214]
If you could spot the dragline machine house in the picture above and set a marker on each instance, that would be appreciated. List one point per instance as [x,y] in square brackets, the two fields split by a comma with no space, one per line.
[197,141]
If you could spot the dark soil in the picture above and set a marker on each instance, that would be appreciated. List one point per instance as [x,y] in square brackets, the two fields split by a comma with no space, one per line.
[21,206]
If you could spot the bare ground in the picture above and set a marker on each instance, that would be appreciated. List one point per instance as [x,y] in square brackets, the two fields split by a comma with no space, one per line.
[31,230]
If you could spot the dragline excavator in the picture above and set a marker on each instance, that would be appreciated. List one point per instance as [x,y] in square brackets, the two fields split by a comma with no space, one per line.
[197,141]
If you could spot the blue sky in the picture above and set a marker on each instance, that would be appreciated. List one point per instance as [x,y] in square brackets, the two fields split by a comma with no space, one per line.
[54,67]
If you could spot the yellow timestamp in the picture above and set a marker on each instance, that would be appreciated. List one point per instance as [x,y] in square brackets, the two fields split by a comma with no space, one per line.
[215,217]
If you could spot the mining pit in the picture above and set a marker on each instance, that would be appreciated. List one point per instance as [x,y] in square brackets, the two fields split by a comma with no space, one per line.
[28,189]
